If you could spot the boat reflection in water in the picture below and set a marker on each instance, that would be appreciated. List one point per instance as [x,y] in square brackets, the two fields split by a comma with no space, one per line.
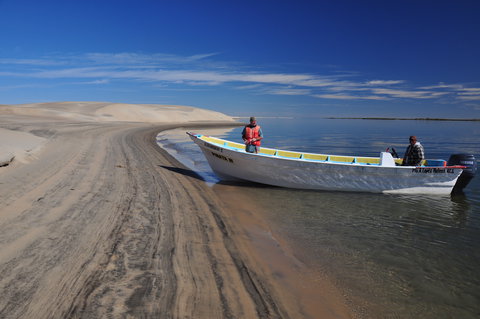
[402,256]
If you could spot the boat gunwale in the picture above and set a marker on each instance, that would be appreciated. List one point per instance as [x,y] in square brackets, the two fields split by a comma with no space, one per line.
[301,157]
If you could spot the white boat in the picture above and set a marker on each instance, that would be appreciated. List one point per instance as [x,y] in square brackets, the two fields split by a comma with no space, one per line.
[381,174]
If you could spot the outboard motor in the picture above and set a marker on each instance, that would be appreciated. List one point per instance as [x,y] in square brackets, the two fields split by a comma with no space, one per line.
[467,160]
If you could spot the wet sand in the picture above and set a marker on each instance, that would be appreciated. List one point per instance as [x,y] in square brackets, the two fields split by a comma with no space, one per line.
[100,222]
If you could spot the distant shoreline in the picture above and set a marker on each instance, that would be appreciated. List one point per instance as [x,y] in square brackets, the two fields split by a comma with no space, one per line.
[403,119]
[366,118]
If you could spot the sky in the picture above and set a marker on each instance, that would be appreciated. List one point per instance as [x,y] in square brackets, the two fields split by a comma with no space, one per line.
[264,57]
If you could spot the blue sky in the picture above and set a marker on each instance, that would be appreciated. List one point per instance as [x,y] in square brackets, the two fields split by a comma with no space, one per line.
[316,58]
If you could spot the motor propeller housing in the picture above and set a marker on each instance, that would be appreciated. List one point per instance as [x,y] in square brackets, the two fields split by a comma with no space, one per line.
[470,163]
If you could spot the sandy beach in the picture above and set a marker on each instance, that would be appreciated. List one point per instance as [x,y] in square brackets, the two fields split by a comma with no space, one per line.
[97,221]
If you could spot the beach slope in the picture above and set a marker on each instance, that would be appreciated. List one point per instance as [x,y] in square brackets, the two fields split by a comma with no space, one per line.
[96,221]
[99,222]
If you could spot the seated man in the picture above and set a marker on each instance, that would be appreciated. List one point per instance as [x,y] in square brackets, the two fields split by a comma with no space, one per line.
[414,153]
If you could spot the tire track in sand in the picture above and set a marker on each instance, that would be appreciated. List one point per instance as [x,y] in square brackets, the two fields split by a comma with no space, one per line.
[115,234]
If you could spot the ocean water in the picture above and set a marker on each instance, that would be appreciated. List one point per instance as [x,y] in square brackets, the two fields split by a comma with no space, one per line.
[393,256]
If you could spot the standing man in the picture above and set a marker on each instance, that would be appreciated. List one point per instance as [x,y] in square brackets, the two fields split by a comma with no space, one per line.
[414,153]
[252,135]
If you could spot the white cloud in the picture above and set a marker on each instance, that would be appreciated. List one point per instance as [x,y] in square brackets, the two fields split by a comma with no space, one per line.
[202,69]
[289,91]
[442,86]
[143,59]
[249,87]
[339,88]
[34,62]
[462,93]
[408,94]
[97,82]
[471,90]
[469,94]
[470,98]
[382,82]
[349,97]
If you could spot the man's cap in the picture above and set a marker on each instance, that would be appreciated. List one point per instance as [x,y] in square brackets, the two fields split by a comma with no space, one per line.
[252,119]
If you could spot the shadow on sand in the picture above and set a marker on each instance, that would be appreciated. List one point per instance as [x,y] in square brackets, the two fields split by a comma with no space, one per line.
[183,171]
[191,173]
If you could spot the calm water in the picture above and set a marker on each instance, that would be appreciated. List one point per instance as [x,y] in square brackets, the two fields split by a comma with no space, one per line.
[394,256]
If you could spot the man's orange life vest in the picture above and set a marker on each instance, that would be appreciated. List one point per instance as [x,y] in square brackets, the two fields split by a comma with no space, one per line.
[251,133]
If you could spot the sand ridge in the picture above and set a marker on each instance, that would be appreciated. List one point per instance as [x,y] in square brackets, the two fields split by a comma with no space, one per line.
[16,143]
[109,112]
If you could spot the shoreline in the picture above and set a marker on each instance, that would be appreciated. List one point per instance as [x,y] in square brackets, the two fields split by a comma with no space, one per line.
[306,292]
[303,291]
[102,222]
[403,119]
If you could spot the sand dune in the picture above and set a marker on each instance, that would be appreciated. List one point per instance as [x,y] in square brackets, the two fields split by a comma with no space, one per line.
[18,145]
[108,112]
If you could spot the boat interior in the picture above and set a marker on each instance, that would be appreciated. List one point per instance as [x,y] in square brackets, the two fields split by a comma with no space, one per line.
[311,156]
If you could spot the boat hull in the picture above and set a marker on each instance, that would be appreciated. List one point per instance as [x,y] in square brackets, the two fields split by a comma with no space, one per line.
[234,164]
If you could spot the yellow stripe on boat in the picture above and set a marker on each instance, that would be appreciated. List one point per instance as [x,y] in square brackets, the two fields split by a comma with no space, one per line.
[212,140]
[367,160]
[267,151]
[344,159]
[289,154]
[315,157]
[234,145]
